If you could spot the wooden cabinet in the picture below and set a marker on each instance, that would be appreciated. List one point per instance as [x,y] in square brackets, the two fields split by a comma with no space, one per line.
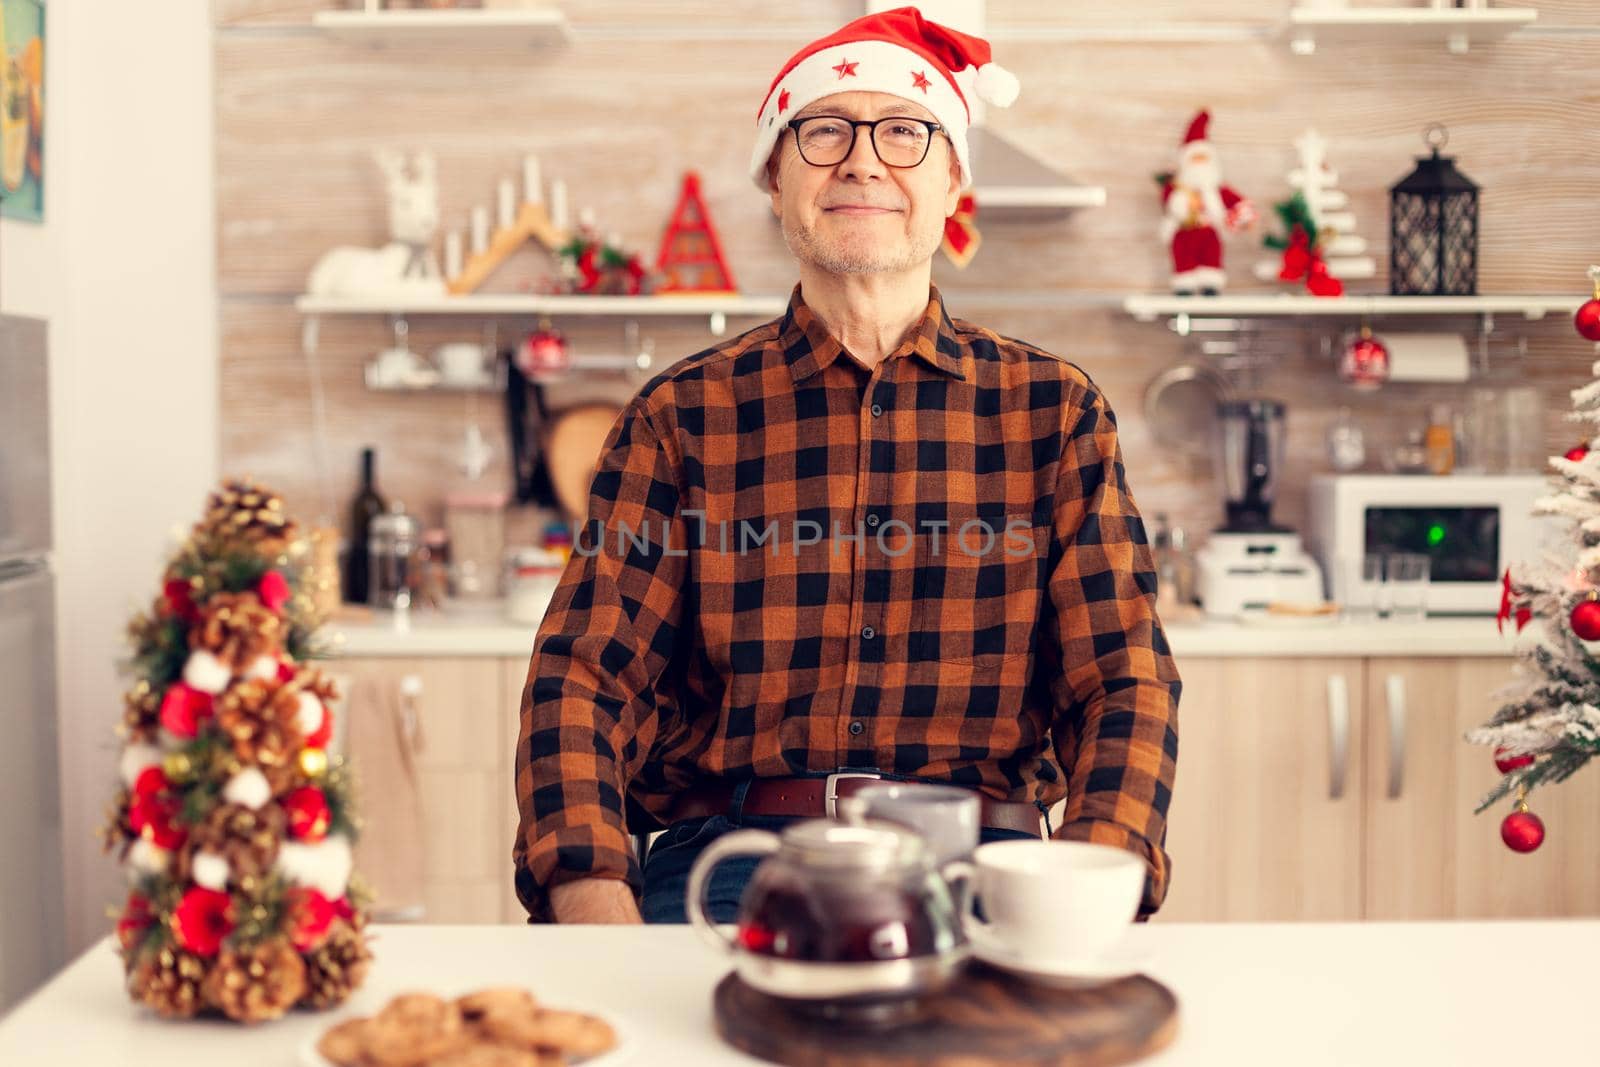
[1266,816]
[1428,856]
[465,710]
[1262,828]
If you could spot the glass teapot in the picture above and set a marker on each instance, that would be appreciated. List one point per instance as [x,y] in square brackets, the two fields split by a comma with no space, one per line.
[839,911]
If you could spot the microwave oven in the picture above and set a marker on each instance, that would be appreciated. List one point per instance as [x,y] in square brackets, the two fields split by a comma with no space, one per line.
[1470,526]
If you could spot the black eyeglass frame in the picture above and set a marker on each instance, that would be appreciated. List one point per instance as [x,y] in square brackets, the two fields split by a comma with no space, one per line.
[872,138]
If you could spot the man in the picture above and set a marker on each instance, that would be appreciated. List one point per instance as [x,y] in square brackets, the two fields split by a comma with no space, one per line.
[863,539]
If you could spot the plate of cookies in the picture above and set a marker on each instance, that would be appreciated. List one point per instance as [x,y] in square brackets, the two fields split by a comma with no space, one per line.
[500,1026]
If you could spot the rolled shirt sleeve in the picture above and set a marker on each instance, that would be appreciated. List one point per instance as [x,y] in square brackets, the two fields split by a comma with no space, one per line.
[589,708]
[1117,689]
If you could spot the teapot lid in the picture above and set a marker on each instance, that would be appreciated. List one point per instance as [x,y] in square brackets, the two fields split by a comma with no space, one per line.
[870,844]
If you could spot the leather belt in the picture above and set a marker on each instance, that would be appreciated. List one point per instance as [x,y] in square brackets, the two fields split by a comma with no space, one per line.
[814,798]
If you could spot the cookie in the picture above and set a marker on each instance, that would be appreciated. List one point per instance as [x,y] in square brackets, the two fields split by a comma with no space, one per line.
[573,1033]
[497,1001]
[344,1045]
[412,1029]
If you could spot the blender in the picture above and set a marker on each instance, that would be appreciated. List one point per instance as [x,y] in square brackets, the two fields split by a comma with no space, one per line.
[1250,561]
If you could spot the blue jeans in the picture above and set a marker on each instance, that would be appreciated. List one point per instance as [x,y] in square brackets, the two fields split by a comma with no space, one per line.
[666,865]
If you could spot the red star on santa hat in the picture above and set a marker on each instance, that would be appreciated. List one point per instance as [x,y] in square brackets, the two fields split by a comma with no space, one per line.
[783,101]
[847,69]
[919,80]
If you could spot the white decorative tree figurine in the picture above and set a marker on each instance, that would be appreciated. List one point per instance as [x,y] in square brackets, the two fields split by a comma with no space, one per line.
[1342,251]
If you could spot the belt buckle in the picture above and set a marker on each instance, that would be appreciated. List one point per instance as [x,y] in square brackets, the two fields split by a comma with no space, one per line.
[830,790]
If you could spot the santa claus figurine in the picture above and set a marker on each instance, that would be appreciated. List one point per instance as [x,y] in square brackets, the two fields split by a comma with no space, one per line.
[1197,205]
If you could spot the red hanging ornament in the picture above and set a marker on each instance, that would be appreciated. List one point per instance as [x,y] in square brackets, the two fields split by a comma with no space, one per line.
[1365,363]
[308,813]
[1522,830]
[1505,764]
[544,351]
[1523,614]
[1587,320]
[1586,619]
[1577,452]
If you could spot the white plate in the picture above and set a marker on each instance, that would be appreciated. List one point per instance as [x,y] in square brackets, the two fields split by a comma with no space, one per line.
[621,1053]
[1119,963]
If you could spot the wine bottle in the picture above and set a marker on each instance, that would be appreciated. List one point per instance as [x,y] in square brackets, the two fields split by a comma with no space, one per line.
[363,509]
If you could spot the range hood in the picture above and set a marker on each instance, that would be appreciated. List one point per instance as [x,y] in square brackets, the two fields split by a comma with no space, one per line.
[1009,182]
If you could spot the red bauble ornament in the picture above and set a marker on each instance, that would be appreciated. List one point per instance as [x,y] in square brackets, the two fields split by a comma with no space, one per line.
[1586,620]
[273,589]
[1522,831]
[183,708]
[543,352]
[180,599]
[1587,320]
[1506,764]
[1365,363]
[310,916]
[202,919]
[136,919]
[308,814]
[1577,452]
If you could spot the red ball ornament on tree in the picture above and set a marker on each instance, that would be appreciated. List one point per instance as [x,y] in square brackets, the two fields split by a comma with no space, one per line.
[1587,320]
[1522,830]
[1506,764]
[1586,619]
[308,814]
[1577,452]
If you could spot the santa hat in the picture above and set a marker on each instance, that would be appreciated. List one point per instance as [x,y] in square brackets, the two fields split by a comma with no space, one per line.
[1197,136]
[897,52]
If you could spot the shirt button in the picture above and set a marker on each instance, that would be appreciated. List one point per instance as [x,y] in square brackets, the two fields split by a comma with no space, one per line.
[877,409]
[856,728]
[868,632]
[872,520]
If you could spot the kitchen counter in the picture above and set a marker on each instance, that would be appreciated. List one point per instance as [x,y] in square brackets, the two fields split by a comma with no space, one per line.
[482,630]
[1311,994]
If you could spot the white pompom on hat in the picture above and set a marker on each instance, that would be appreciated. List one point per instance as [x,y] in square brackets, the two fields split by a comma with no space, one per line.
[897,52]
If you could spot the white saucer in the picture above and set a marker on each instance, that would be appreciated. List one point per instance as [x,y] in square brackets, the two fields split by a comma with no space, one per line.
[1117,964]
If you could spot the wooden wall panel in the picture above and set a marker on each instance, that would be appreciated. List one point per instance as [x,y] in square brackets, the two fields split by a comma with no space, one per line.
[648,89]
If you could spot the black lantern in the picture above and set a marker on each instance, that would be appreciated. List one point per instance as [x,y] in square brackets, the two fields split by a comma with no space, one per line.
[1433,227]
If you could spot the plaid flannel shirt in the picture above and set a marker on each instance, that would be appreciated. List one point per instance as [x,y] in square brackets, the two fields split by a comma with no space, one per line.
[794,564]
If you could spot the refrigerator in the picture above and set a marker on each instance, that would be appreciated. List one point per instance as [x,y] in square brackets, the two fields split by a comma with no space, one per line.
[32,922]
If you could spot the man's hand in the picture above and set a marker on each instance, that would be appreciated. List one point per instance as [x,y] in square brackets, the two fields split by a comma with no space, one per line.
[594,900]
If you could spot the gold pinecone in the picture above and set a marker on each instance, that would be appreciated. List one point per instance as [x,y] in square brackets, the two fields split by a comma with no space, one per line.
[247,839]
[259,717]
[169,981]
[238,629]
[141,713]
[338,967]
[247,516]
[251,985]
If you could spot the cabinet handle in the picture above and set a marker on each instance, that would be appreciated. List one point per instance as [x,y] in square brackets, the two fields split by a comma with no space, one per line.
[410,690]
[1395,686]
[1338,734]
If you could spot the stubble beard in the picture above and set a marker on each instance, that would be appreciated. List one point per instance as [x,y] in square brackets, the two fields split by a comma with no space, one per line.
[859,256]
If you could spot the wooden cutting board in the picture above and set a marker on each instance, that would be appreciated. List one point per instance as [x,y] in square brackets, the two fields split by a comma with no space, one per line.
[984,1017]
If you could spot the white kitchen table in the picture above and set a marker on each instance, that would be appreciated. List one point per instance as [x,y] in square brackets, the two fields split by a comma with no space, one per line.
[1345,994]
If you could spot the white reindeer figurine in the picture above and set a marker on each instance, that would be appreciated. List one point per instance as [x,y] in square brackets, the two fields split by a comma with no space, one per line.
[406,265]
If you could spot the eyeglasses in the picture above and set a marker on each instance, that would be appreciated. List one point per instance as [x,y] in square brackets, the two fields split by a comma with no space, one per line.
[828,140]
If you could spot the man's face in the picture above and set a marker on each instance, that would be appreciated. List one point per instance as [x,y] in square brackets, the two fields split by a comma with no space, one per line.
[862,216]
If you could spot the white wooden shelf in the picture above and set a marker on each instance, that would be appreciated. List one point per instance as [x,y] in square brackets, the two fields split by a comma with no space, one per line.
[1147,308]
[1458,28]
[531,26]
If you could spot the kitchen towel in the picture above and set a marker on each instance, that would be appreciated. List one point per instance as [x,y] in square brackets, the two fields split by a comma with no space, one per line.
[383,738]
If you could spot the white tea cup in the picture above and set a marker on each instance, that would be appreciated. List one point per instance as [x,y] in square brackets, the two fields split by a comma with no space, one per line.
[945,815]
[1054,902]
[460,362]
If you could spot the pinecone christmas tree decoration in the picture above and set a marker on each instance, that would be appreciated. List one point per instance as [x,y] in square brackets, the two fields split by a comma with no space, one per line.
[238,629]
[252,985]
[224,765]
[259,717]
[169,981]
[243,515]
[337,968]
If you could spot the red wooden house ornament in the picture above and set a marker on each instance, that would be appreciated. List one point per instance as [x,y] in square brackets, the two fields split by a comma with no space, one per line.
[691,256]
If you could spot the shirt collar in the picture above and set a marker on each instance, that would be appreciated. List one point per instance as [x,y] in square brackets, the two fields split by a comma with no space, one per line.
[808,346]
